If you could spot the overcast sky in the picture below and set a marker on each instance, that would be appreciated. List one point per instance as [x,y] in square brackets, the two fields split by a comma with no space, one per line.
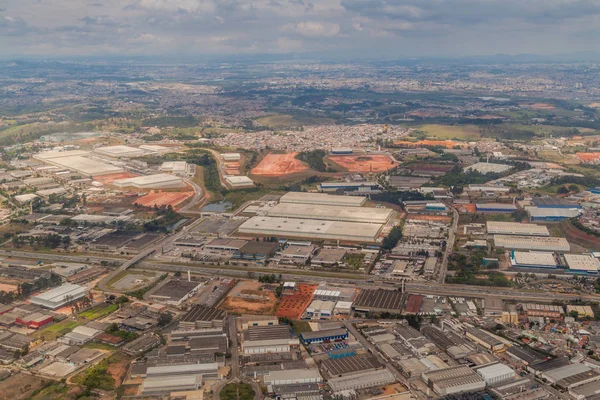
[346,28]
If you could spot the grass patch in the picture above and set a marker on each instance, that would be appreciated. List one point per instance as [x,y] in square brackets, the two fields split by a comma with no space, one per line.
[239,197]
[237,391]
[99,311]
[282,121]
[58,329]
[300,326]
[460,132]
[99,346]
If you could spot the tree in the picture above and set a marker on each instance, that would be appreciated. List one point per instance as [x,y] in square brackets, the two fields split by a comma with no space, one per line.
[164,319]
[574,314]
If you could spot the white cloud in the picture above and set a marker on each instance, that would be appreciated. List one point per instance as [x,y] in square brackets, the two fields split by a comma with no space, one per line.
[311,29]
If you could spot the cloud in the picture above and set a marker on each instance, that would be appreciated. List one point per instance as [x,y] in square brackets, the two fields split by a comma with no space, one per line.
[311,29]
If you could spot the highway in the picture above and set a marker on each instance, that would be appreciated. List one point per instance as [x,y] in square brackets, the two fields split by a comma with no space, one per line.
[449,246]
[197,198]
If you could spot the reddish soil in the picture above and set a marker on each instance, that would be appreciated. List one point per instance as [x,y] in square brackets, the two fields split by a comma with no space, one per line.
[163,198]
[113,177]
[293,305]
[542,106]
[279,164]
[588,157]
[364,163]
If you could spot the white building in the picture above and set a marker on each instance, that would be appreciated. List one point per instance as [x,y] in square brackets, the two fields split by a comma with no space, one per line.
[332,213]
[496,373]
[362,380]
[156,181]
[322,199]
[515,228]
[231,156]
[239,182]
[293,376]
[179,168]
[60,296]
[320,309]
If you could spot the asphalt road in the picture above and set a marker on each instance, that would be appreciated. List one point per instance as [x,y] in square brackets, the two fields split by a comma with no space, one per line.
[449,247]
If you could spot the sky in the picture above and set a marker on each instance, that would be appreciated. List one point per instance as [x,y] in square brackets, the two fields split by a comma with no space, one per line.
[336,28]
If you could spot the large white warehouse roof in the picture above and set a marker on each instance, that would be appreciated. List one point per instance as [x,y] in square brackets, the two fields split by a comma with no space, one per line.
[311,229]
[75,160]
[531,243]
[515,228]
[58,297]
[582,262]
[322,199]
[120,151]
[156,181]
[332,213]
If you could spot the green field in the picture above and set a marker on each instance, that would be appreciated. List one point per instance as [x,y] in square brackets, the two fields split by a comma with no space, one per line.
[58,329]
[99,311]
[282,121]
[443,132]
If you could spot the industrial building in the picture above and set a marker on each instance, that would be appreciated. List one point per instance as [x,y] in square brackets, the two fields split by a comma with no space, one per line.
[582,311]
[179,168]
[319,309]
[533,259]
[199,317]
[551,214]
[554,202]
[311,229]
[293,376]
[164,384]
[256,251]
[295,254]
[453,380]
[175,292]
[156,181]
[35,320]
[584,264]
[249,320]
[60,296]
[77,160]
[379,300]
[239,182]
[326,335]
[362,380]
[351,365]
[332,213]
[140,345]
[484,339]
[532,243]
[231,156]
[516,228]
[120,151]
[543,310]
[366,187]
[334,293]
[495,373]
[322,199]
[268,339]
[486,168]
[571,375]
[495,208]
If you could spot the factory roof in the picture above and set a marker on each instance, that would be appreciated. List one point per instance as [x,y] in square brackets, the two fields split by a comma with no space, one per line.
[320,198]
[534,258]
[364,379]
[379,299]
[551,202]
[253,247]
[494,370]
[202,313]
[323,334]
[346,365]
[151,181]
[310,228]
[485,168]
[330,255]
[536,212]
[532,242]
[269,332]
[60,293]
[581,262]
[120,151]
[176,289]
[239,180]
[293,374]
[525,353]
[566,371]
[496,206]
[515,228]
[76,160]
[332,213]
[182,368]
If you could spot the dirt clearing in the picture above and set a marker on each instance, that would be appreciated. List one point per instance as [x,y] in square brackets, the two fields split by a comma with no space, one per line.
[364,163]
[279,164]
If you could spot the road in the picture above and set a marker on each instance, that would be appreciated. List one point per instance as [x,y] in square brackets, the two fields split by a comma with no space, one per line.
[449,247]
[235,358]
[197,198]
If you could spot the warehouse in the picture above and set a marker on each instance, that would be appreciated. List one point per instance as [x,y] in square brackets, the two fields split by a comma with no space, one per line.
[562,373]
[489,189]
[268,339]
[231,156]
[209,344]
[120,151]
[495,208]
[76,160]
[379,300]
[349,186]
[484,339]
[225,244]
[165,385]
[453,380]
[351,365]
[311,229]
[293,376]
[361,380]
[584,264]
[543,310]
[516,228]
[486,168]
[156,181]
[533,259]
[495,373]
[295,254]
[329,257]
[407,182]
[206,370]
[532,243]
[332,213]
[334,293]
[319,309]
[60,296]
[25,198]
[202,317]
[249,320]
[327,335]
[156,149]
[256,251]
[322,199]
[525,354]
[239,182]
[551,214]
[179,168]
[554,202]
[140,345]
[35,320]
[175,292]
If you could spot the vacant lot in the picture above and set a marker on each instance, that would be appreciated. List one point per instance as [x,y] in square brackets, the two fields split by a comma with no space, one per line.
[127,281]
[99,311]
[58,329]
[113,177]
[20,386]
[579,240]
[364,163]
[462,132]
[282,121]
[250,297]
[159,199]
[279,164]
